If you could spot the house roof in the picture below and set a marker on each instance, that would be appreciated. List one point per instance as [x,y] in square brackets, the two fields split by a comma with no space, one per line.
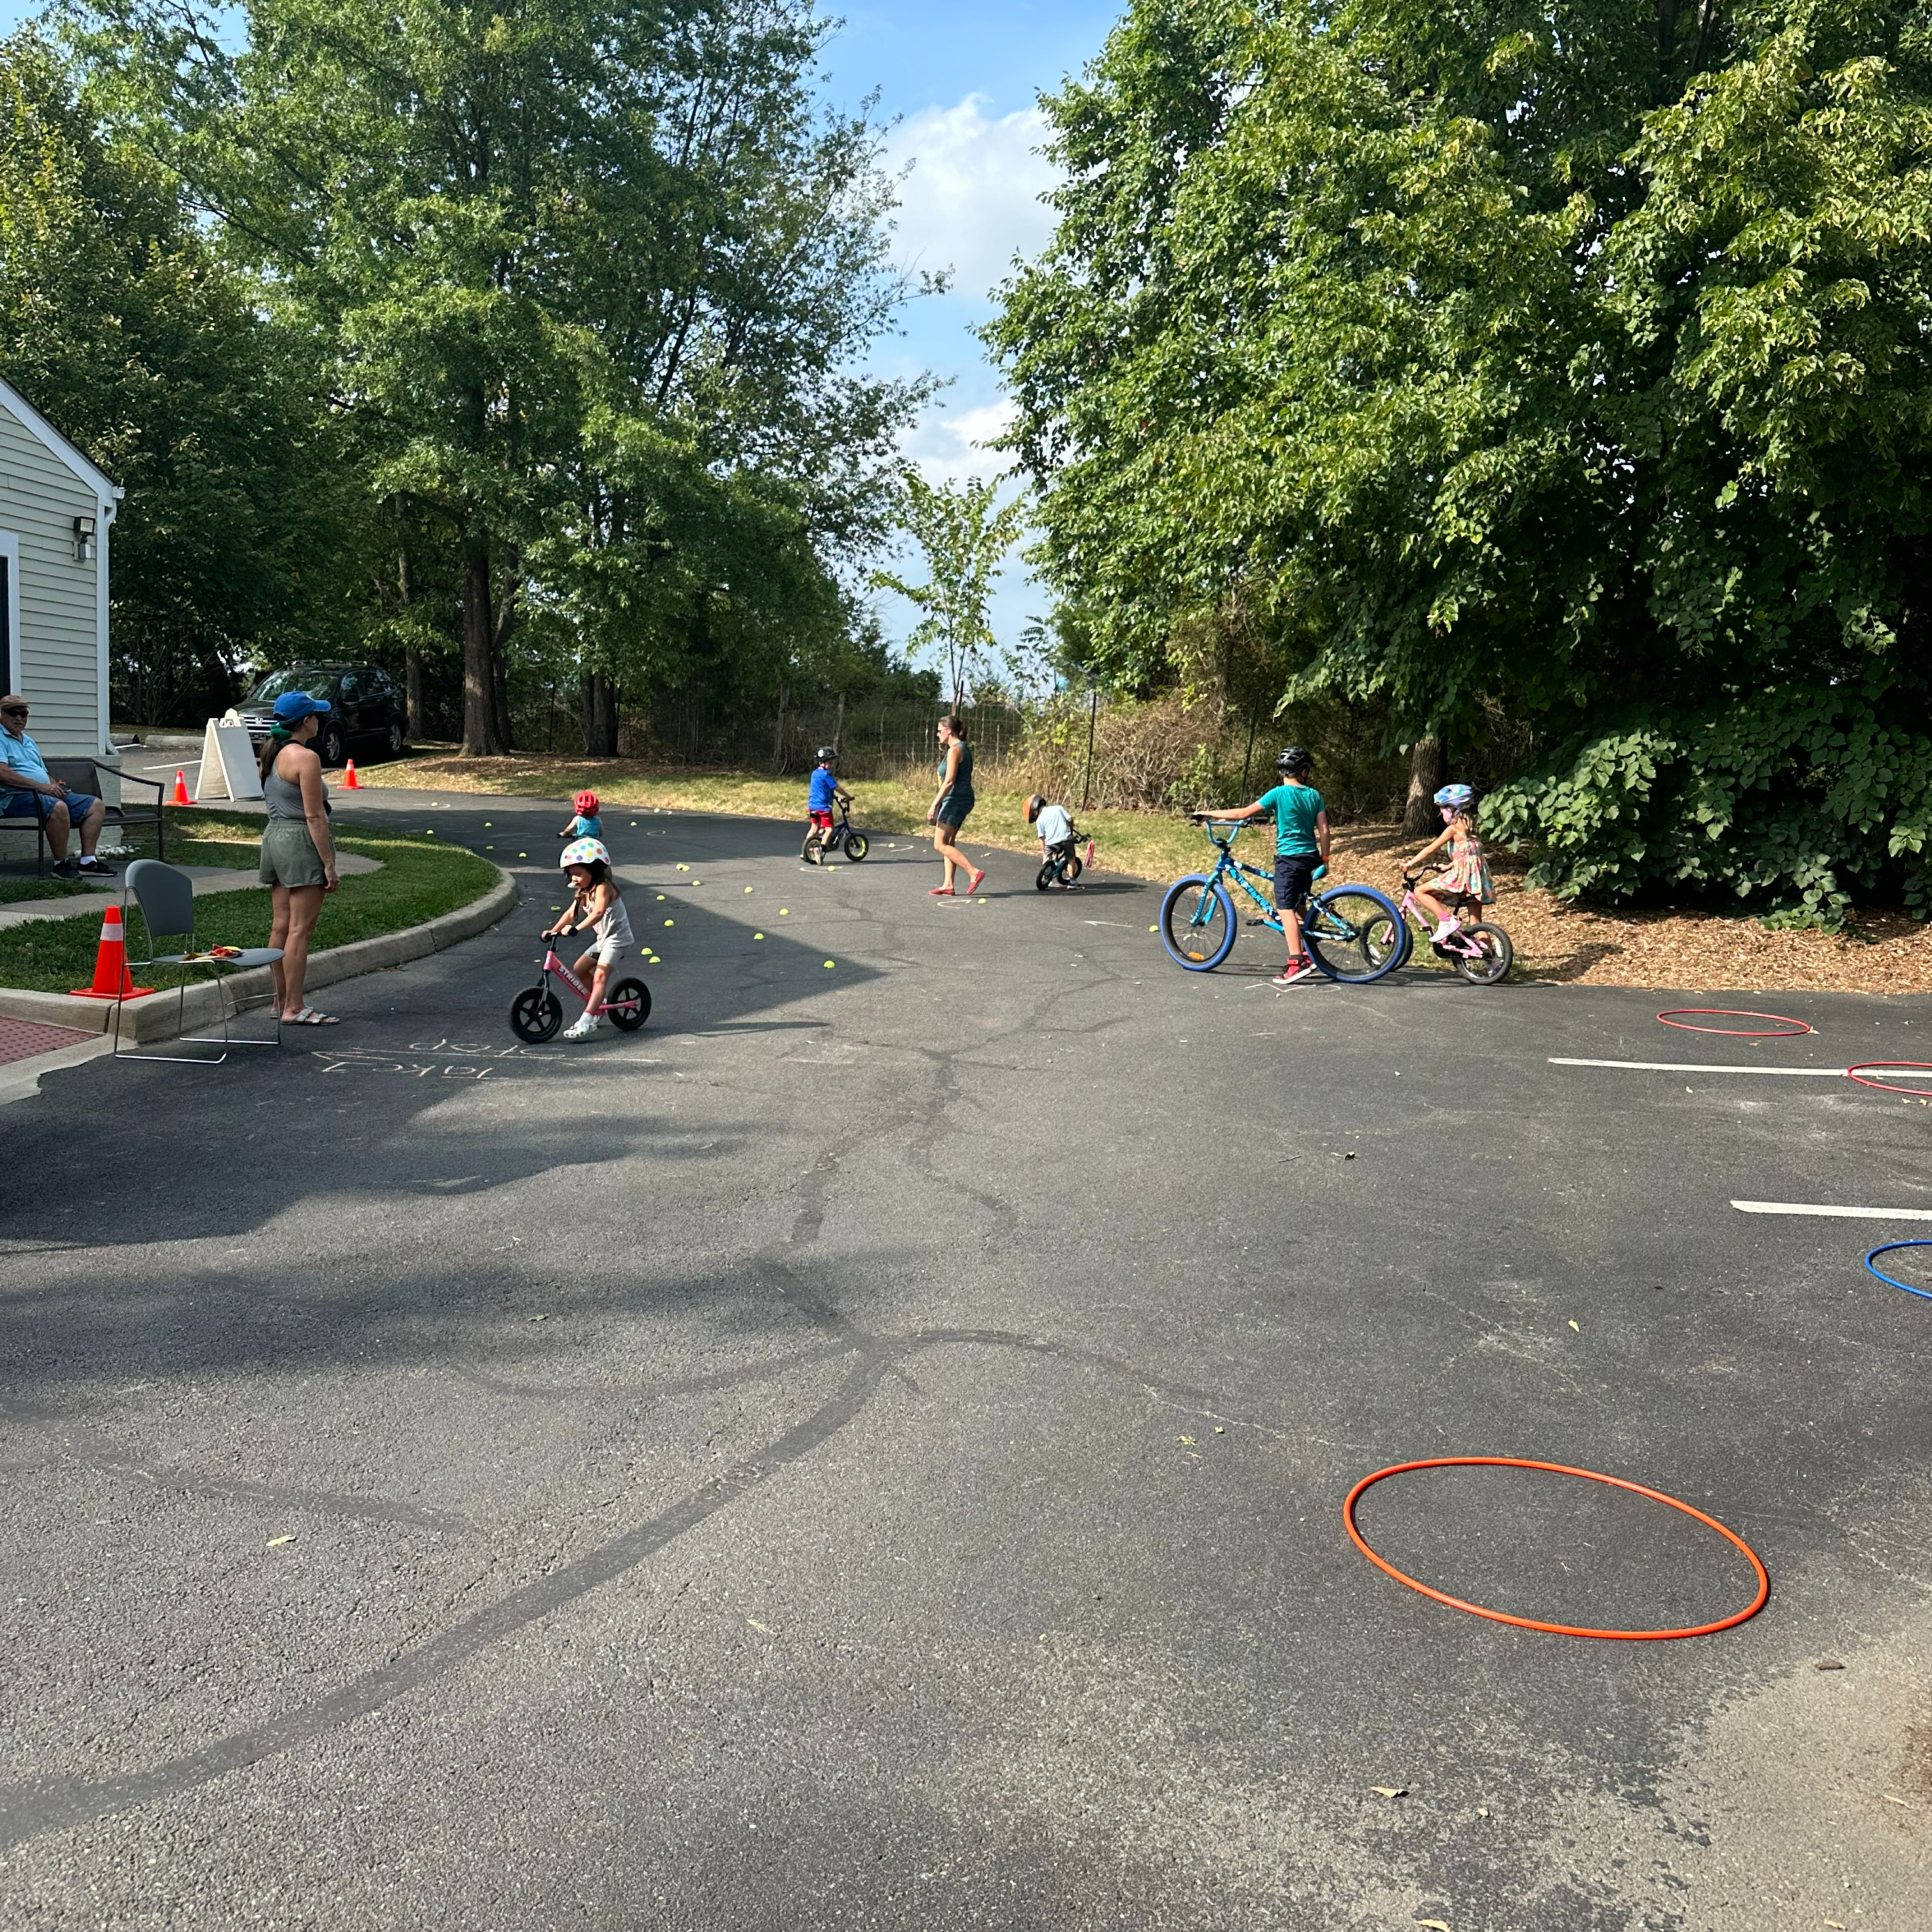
[43,431]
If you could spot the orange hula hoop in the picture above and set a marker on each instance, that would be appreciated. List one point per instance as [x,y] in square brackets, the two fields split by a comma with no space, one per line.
[1382,1563]
[1791,1029]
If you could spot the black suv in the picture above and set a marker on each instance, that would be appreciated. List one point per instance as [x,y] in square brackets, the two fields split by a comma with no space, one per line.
[365,709]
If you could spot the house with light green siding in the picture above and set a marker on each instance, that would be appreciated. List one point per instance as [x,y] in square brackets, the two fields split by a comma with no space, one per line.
[56,511]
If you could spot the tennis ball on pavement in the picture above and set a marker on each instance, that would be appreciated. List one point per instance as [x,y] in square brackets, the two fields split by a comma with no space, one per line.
[748,889]
[758,935]
[684,869]
[784,912]
[670,921]
[522,855]
[1154,928]
[660,896]
[828,965]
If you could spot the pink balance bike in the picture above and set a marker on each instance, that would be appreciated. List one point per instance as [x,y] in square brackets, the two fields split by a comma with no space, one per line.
[536,1013]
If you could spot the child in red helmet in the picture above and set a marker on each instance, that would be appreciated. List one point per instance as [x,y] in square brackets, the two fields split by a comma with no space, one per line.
[586,824]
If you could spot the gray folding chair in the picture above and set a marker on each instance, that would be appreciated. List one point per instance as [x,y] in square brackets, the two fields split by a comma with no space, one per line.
[165,896]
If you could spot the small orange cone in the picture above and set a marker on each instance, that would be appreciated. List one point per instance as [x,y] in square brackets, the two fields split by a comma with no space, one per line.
[111,980]
[350,782]
[180,796]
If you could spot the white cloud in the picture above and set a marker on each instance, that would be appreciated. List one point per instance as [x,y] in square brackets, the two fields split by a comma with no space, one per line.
[971,202]
[949,448]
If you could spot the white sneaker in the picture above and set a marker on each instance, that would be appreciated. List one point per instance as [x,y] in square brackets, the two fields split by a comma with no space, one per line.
[1444,929]
[584,1028]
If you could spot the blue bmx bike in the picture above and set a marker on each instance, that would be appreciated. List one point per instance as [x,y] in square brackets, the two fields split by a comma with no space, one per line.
[1353,933]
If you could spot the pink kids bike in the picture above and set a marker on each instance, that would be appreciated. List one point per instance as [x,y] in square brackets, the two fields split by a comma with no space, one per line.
[536,1013]
[1478,950]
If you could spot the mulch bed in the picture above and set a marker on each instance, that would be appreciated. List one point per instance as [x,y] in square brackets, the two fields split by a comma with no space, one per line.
[1687,950]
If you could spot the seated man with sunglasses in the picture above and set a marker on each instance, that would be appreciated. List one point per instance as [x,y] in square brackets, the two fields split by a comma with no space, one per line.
[25,789]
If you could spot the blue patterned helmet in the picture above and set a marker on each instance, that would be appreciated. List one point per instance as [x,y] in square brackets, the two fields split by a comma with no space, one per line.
[1456,798]
[584,852]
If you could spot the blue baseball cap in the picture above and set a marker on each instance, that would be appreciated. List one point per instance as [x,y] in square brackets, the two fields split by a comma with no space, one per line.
[293,707]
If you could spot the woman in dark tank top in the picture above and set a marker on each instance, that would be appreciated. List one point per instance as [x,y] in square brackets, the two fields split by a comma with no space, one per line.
[950,807]
[297,855]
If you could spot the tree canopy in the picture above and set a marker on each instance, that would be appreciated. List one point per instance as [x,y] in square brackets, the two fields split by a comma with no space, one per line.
[1562,362]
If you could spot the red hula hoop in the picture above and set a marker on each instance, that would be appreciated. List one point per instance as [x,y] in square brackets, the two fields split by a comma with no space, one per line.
[1757,1603]
[1922,1092]
[1792,1029]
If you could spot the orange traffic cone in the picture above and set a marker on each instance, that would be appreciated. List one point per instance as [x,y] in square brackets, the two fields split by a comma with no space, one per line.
[111,980]
[180,796]
[350,782]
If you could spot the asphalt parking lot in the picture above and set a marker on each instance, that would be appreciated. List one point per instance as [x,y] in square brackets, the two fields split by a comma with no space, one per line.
[868,1450]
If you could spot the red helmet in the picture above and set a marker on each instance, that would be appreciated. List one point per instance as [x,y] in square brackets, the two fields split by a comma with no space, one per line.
[585,802]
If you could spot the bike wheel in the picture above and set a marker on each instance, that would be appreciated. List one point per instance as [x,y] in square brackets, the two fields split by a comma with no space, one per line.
[1383,936]
[536,1014]
[628,1004]
[1047,874]
[857,846]
[1497,956]
[1197,923]
[1351,933]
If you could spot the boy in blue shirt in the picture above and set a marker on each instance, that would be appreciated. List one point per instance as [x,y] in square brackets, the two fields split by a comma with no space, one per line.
[586,824]
[1300,844]
[825,789]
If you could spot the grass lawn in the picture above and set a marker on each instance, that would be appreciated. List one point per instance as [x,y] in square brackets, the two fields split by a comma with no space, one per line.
[420,879]
[1881,951]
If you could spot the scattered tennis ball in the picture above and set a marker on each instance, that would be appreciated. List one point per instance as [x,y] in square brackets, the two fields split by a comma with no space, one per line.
[684,869]
[634,821]
[758,935]
[660,896]
[1154,928]
[489,825]
[489,848]
[828,965]
[748,889]
[522,855]
[670,921]
[428,832]
[784,912]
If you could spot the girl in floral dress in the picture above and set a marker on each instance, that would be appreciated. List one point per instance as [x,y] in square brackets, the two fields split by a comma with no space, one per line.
[1468,876]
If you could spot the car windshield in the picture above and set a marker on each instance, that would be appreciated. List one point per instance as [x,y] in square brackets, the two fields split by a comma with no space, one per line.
[303,677]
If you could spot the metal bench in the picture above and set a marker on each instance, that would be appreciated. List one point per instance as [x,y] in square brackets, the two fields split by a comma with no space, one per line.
[84,774]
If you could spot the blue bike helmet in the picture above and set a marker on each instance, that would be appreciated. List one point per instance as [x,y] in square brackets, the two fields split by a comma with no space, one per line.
[1456,798]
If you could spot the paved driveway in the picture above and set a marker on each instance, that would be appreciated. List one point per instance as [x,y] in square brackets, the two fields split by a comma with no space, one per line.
[868,1450]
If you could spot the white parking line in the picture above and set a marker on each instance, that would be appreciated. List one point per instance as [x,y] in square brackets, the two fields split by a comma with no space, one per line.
[1833,1214]
[1705,1067]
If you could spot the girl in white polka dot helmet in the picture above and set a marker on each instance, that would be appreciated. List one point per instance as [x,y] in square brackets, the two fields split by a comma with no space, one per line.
[596,906]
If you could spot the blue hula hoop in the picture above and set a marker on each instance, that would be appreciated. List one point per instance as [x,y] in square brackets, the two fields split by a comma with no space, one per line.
[1924,1294]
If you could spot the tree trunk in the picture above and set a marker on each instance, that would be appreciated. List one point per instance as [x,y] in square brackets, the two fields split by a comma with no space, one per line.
[778,737]
[1426,766]
[600,715]
[481,737]
[412,689]
[838,723]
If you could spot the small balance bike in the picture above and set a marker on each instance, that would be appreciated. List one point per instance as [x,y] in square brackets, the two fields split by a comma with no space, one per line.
[1062,866]
[536,1013]
[844,837]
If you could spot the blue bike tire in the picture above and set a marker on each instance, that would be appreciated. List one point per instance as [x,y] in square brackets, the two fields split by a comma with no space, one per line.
[1312,937]
[1207,960]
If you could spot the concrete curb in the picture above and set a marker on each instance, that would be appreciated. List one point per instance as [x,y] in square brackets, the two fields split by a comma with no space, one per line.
[161,1015]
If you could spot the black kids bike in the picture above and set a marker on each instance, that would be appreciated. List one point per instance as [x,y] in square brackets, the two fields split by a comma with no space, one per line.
[844,836]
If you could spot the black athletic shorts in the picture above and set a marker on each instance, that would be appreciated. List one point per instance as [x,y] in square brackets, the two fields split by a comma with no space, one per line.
[1292,879]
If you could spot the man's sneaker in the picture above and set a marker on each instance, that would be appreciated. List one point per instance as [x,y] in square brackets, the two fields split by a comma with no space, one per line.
[584,1028]
[96,869]
[66,869]
[1296,969]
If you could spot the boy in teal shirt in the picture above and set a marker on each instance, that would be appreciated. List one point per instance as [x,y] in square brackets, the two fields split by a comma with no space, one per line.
[1300,844]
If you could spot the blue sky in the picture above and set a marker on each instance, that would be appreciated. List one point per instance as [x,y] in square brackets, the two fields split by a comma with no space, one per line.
[960,83]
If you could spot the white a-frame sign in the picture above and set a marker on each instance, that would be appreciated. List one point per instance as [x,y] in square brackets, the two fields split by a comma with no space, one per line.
[228,769]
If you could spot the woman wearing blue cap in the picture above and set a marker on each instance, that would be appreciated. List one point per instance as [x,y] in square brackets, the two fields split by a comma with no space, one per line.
[298,857]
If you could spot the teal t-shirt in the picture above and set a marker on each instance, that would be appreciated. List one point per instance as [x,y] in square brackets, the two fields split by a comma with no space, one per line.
[1296,807]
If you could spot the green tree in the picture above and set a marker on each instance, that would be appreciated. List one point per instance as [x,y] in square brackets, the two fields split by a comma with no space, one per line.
[1563,360]
[578,264]
[240,530]
[964,541]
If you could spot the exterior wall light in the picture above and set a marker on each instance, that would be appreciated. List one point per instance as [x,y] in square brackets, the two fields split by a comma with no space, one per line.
[83,540]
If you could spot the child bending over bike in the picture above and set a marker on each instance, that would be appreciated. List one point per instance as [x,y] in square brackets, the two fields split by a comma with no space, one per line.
[825,792]
[1300,845]
[598,907]
[1468,877]
[1054,824]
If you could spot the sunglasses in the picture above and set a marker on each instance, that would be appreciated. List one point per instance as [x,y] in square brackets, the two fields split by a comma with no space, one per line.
[13,711]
